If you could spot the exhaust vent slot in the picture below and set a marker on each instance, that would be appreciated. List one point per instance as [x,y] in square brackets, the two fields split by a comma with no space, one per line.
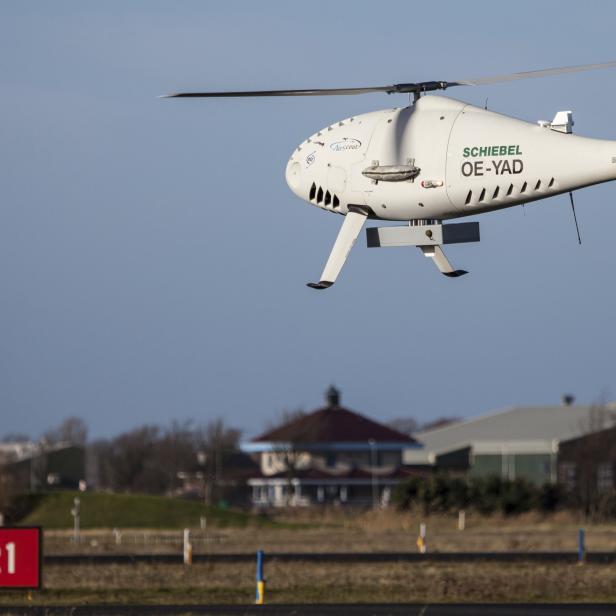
[482,196]
[551,183]
[510,190]
[523,189]
[328,198]
[313,191]
[468,197]
[538,185]
[320,195]
[496,191]
[336,201]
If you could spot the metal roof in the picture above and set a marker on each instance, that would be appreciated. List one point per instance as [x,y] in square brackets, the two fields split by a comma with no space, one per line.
[519,429]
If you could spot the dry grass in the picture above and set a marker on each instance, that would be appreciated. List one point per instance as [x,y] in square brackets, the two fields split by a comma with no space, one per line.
[308,582]
[340,531]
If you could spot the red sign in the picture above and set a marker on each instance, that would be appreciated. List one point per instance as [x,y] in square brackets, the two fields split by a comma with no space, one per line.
[21,557]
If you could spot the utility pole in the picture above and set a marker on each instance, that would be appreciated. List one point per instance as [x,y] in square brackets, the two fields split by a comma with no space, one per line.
[375,489]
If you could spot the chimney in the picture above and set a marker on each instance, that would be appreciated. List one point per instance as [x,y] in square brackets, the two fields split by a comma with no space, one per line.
[332,397]
[567,399]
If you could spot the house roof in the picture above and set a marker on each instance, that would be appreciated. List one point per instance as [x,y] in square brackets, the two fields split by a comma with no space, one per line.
[334,424]
[516,429]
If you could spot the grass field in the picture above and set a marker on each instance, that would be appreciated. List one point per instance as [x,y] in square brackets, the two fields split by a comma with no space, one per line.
[102,510]
[313,583]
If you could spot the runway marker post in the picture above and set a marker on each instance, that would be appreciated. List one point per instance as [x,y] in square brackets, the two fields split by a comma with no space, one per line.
[187,551]
[421,540]
[581,546]
[260,598]
[461,520]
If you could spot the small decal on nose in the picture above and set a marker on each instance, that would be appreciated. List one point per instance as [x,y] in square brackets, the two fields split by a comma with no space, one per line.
[346,144]
[310,158]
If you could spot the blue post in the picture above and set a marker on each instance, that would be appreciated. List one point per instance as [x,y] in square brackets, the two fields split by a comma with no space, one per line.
[260,599]
[581,546]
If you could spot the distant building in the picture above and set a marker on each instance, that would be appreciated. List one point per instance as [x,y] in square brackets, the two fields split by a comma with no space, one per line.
[332,455]
[31,467]
[512,443]
[225,483]
[587,464]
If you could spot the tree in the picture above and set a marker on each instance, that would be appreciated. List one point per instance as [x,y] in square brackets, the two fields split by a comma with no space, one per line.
[406,425]
[215,441]
[149,459]
[439,422]
[73,430]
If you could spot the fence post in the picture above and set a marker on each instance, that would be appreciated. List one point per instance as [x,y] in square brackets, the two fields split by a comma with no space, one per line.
[461,520]
[187,547]
[581,547]
[421,540]
[76,513]
[260,599]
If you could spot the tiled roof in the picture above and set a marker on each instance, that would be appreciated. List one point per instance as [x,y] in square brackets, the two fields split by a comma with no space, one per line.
[333,423]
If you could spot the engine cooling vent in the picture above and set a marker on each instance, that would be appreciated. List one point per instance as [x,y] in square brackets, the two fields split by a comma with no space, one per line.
[322,196]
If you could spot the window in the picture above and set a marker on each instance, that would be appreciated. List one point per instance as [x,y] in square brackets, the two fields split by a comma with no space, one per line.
[605,476]
[568,474]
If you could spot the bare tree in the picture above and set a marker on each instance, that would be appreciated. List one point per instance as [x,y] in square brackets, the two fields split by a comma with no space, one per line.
[406,425]
[284,417]
[215,442]
[439,422]
[73,430]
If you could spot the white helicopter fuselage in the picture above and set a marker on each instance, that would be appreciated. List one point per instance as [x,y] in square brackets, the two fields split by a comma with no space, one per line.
[466,160]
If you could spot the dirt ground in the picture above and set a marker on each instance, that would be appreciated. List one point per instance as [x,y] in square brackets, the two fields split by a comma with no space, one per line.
[310,582]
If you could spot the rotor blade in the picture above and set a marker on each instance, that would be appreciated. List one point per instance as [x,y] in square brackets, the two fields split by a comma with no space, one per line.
[397,88]
[352,225]
[547,72]
[310,92]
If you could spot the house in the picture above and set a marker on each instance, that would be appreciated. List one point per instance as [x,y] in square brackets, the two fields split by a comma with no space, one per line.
[512,443]
[330,456]
[37,466]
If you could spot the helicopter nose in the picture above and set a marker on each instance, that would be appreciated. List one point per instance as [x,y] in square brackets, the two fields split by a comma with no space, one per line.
[293,176]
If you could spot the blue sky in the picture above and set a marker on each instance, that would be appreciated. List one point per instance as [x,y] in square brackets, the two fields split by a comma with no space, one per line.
[153,261]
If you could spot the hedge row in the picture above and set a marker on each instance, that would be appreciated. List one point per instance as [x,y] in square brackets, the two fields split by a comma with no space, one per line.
[441,493]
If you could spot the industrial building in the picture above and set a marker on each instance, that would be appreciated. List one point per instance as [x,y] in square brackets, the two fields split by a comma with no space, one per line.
[518,442]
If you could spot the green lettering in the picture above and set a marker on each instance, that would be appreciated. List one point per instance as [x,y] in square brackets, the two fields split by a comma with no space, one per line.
[502,150]
[465,152]
[474,151]
[494,150]
[517,150]
[483,151]
[511,150]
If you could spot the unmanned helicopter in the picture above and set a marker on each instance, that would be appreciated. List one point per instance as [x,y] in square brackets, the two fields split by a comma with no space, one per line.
[435,160]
